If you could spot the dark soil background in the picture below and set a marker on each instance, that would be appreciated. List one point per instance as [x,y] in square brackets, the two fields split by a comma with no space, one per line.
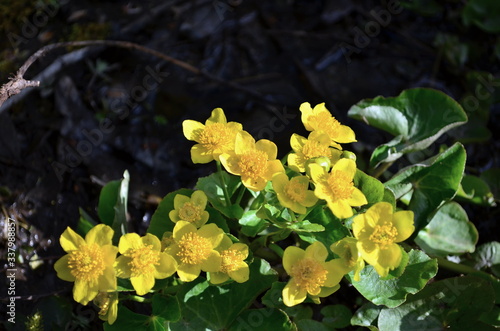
[102,110]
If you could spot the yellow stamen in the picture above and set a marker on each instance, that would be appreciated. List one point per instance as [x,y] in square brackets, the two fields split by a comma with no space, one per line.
[253,163]
[102,300]
[87,263]
[309,274]
[143,260]
[216,137]
[384,235]
[231,259]
[315,149]
[190,212]
[193,249]
[340,185]
[295,190]
[324,121]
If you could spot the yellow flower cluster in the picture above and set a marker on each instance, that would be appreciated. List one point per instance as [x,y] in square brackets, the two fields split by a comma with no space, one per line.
[194,246]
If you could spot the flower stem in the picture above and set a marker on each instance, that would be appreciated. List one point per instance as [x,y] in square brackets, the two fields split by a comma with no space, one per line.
[459,268]
[224,186]
[240,194]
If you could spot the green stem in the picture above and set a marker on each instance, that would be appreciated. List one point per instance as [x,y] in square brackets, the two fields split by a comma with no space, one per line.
[136,298]
[224,186]
[240,194]
[380,170]
[277,249]
[459,268]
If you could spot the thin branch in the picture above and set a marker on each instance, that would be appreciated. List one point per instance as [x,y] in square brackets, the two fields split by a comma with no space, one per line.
[17,83]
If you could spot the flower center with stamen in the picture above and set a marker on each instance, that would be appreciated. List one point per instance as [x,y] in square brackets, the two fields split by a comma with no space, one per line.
[253,163]
[314,149]
[340,184]
[102,301]
[216,137]
[193,249]
[324,121]
[143,260]
[295,191]
[231,259]
[309,274]
[190,212]
[87,263]
[384,235]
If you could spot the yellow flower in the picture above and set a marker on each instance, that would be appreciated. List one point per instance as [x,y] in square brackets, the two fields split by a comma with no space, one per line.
[349,255]
[232,262]
[337,188]
[108,305]
[316,145]
[320,119]
[255,162]
[142,261]
[378,230]
[293,193]
[214,137]
[310,274]
[191,210]
[194,249]
[89,262]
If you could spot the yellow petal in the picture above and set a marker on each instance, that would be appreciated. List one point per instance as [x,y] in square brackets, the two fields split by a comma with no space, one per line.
[291,256]
[199,198]
[82,293]
[317,172]
[100,234]
[390,257]
[181,228]
[167,266]
[293,295]
[345,135]
[174,216]
[107,281]
[340,208]
[267,147]
[218,277]
[310,199]
[297,142]
[200,154]
[62,269]
[150,239]
[192,129]
[225,243]
[279,182]
[212,233]
[335,273]
[320,137]
[306,110]
[180,200]
[379,212]
[316,251]
[70,240]
[203,220]
[361,227]
[273,167]
[403,221]
[295,162]
[347,166]
[212,263]
[217,116]
[327,291]
[188,272]
[129,241]
[109,254]
[369,251]
[240,275]
[122,267]
[357,198]
[143,283]
[254,184]
[230,163]
[240,248]
[244,142]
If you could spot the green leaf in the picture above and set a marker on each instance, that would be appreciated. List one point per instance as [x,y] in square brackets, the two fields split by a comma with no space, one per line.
[251,223]
[485,14]
[306,226]
[334,230]
[393,292]
[417,118]
[85,223]
[273,298]
[129,321]
[366,314]
[475,190]
[217,307]
[371,187]
[107,202]
[448,232]
[262,319]
[492,178]
[166,307]
[453,303]
[212,186]
[336,316]
[311,325]
[432,182]
[487,255]
[160,221]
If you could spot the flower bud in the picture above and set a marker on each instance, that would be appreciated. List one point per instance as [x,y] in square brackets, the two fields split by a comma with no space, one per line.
[348,155]
[323,161]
